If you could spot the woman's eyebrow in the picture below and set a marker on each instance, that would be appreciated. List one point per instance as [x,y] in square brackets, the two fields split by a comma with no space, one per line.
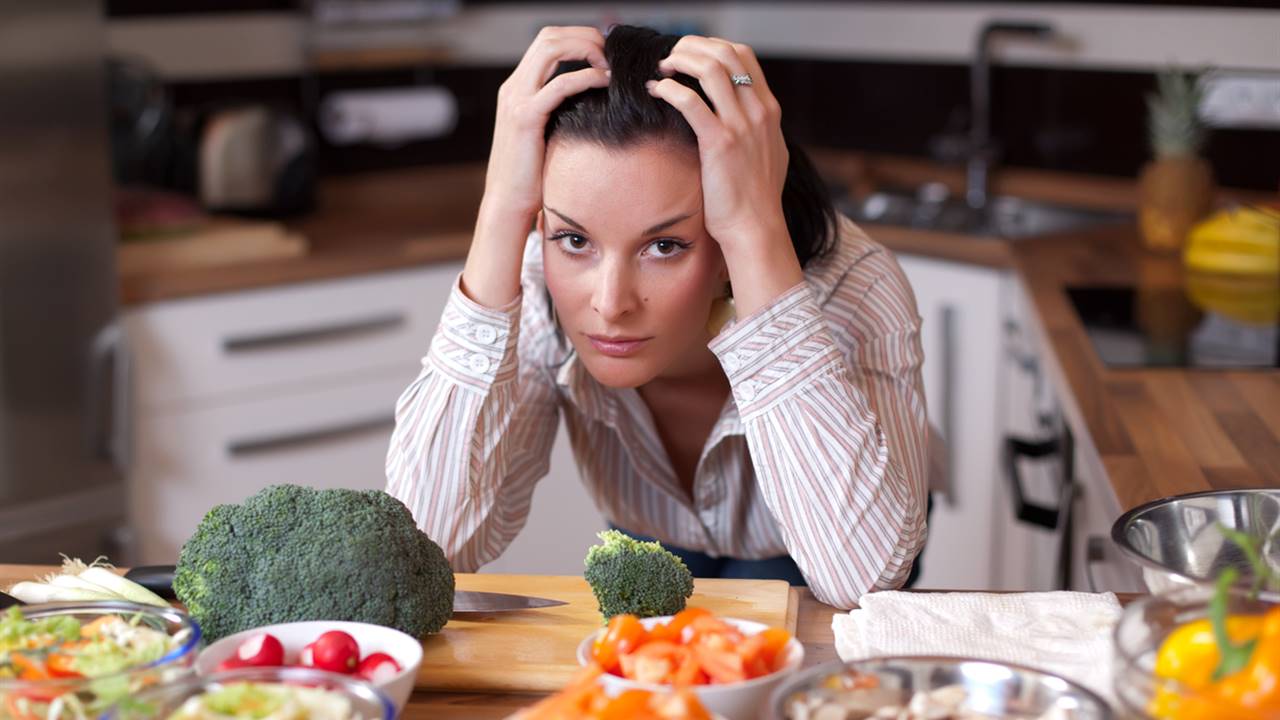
[564,217]
[655,229]
[668,223]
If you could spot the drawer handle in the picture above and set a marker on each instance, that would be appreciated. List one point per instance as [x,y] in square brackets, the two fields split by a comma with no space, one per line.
[323,333]
[278,443]
[1095,551]
[1060,518]
[1025,510]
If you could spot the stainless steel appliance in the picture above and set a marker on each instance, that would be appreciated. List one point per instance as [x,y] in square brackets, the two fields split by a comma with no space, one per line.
[61,445]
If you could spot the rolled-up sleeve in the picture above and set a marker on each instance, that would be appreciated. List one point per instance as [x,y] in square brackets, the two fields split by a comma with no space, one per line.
[833,409]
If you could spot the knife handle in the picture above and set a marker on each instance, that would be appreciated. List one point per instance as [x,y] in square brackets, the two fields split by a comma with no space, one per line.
[156,578]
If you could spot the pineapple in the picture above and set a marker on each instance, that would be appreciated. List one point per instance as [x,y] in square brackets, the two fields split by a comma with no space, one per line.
[1173,115]
[1176,189]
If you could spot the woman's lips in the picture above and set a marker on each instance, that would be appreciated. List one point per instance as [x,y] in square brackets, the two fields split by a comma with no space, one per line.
[617,346]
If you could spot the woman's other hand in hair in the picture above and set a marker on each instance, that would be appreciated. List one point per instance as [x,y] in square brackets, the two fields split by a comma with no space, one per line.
[744,163]
[513,180]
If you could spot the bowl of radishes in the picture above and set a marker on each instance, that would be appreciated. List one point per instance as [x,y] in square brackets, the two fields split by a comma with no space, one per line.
[386,658]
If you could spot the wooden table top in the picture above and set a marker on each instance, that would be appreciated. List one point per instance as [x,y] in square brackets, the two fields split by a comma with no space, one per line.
[813,629]
[1156,432]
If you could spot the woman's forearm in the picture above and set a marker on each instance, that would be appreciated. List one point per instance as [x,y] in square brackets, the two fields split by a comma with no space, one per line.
[491,276]
[761,268]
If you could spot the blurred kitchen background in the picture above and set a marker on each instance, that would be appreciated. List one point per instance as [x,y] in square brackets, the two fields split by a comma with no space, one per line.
[227,229]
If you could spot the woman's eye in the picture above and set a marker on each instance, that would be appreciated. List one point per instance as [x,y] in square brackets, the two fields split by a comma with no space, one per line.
[665,248]
[572,243]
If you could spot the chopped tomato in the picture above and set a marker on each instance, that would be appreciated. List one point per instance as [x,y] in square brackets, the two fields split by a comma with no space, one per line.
[681,705]
[584,699]
[719,665]
[28,668]
[693,648]
[764,651]
[629,705]
[61,666]
[674,628]
[621,636]
[689,673]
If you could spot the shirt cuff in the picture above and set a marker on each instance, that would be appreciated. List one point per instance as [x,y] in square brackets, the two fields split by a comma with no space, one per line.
[474,344]
[776,350]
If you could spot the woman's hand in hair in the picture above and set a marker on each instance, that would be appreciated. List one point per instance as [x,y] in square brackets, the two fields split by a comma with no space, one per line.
[513,181]
[744,163]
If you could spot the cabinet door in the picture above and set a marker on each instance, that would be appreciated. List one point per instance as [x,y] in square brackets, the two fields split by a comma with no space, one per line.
[189,461]
[241,344]
[1027,555]
[1097,564]
[959,306]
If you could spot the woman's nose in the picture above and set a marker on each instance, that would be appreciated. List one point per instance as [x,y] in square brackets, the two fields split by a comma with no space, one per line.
[614,296]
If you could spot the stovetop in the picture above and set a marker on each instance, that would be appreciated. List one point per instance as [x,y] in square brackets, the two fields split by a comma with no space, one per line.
[1161,327]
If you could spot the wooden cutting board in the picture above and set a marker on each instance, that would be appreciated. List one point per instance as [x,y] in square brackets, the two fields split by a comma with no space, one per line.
[536,650]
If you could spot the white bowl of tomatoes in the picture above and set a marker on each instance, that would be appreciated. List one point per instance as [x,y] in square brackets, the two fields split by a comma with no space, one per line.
[731,665]
[386,658]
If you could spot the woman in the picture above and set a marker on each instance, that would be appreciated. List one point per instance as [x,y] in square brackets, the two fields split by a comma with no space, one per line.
[788,441]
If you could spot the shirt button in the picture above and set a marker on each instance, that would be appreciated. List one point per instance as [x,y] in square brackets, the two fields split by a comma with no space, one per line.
[479,363]
[747,391]
[486,334]
[732,361]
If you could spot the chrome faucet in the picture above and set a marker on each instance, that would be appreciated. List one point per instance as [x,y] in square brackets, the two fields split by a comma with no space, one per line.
[981,151]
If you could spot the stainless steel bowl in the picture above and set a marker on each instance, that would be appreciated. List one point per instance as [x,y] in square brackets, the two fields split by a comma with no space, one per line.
[1177,542]
[1000,690]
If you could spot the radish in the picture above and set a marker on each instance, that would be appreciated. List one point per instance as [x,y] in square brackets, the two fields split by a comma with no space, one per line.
[307,657]
[261,650]
[378,668]
[231,663]
[335,651]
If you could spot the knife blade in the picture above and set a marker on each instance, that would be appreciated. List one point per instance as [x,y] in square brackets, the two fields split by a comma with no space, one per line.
[159,580]
[468,602]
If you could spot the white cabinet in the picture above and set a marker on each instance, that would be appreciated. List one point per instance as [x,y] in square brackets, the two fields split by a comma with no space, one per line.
[1079,547]
[983,384]
[298,384]
[961,335]
[294,384]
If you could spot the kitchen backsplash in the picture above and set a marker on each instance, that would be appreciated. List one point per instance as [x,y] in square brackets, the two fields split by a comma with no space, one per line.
[1071,120]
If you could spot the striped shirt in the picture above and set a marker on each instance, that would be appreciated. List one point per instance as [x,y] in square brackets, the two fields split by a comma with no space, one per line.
[819,453]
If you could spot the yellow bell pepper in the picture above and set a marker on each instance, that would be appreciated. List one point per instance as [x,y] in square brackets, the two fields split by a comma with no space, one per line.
[1190,653]
[1189,656]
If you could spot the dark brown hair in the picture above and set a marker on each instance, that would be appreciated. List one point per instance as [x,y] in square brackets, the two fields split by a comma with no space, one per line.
[624,113]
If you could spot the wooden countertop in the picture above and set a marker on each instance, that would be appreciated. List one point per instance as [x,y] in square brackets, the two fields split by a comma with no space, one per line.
[363,223]
[813,629]
[1155,432]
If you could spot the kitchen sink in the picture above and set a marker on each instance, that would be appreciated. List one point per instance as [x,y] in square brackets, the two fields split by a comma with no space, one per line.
[1007,217]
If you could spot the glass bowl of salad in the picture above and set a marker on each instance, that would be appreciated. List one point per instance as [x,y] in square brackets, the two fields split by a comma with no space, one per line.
[68,661]
[1168,656]
[260,693]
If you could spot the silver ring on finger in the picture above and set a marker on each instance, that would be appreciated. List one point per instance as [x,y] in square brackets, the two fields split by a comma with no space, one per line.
[743,80]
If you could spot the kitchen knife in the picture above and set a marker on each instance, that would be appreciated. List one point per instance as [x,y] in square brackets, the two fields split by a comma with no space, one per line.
[159,580]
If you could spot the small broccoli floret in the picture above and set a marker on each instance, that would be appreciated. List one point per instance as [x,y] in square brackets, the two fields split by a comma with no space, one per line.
[639,578]
[294,553]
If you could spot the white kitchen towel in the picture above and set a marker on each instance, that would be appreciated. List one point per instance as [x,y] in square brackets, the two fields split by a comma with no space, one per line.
[1066,633]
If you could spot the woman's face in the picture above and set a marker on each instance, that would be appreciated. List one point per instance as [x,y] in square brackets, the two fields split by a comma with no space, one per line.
[629,265]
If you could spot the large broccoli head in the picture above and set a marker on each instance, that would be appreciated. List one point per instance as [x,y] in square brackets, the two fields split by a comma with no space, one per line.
[635,577]
[294,553]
